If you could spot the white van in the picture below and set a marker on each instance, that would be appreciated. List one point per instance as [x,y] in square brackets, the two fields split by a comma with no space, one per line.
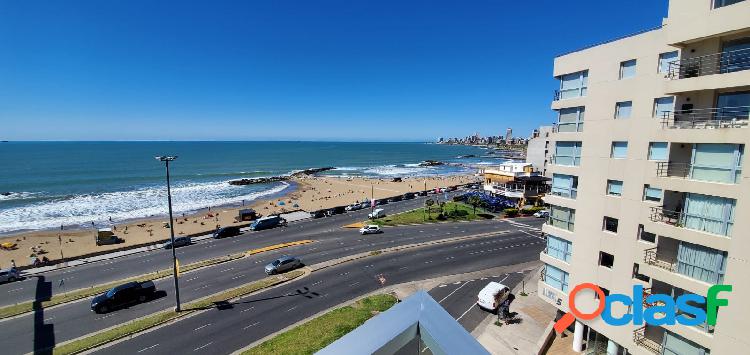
[378,213]
[492,295]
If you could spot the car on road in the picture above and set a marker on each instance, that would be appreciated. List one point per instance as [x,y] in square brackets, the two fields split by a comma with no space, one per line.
[353,207]
[542,214]
[267,223]
[492,295]
[283,264]
[378,213]
[318,214]
[370,229]
[409,195]
[123,295]
[226,232]
[178,242]
[9,275]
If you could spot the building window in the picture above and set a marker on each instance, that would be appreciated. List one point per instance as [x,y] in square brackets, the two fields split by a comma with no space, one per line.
[707,213]
[619,150]
[570,119]
[610,224]
[567,153]
[562,217]
[627,69]
[607,260]
[573,85]
[604,291]
[651,194]
[637,274]
[614,187]
[734,55]
[645,236]
[663,106]
[657,151]
[559,248]
[717,162]
[623,109]
[665,59]
[565,185]
[556,278]
[722,3]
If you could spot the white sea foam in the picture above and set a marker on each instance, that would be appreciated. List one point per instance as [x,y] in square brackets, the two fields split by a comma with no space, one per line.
[18,196]
[123,205]
[390,170]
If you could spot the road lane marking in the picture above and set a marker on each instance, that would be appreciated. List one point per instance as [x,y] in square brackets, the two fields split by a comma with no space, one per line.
[472,305]
[201,327]
[237,277]
[354,284]
[245,310]
[150,347]
[201,347]
[251,325]
[291,309]
[230,269]
[15,289]
[454,291]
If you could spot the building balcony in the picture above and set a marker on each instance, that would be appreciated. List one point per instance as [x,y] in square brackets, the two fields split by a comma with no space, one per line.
[707,118]
[648,339]
[710,64]
[697,222]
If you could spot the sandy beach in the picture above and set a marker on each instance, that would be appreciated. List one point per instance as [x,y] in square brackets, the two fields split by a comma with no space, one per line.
[312,193]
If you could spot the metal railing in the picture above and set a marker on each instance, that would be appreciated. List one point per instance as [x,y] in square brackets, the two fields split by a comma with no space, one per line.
[651,257]
[659,214]
[556,95]
[715,117]
[672,169]
[571,193]
[692,221]
[715,63]
[640,339]
[542,274]
[574,160]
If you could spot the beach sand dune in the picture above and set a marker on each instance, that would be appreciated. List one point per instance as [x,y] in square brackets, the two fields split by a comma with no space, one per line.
[312,193]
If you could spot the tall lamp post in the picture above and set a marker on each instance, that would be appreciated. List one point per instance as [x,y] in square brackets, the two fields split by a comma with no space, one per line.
[166,160]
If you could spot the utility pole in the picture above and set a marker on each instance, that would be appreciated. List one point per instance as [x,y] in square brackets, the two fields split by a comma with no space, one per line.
[166,160]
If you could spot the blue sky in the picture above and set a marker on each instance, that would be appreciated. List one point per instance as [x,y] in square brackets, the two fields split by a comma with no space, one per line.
[298,70]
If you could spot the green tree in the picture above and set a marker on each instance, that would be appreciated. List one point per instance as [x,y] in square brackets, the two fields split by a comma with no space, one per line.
[474,201]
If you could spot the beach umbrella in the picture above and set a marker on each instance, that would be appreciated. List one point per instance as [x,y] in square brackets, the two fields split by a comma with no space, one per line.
[281,203]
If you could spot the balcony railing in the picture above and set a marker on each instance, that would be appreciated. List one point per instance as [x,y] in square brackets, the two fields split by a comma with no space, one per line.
[722,117]
[640,339]
[692,221]
[715,63]
[571,193]
[567,160]
[651,257]
[671,169]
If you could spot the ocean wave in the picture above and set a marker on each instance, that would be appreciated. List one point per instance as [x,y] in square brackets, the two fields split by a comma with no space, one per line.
[125,205]
[390,170]
[23,195]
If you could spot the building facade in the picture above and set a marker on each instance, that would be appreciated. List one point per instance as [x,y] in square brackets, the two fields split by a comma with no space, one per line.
[537,149]
[651,190]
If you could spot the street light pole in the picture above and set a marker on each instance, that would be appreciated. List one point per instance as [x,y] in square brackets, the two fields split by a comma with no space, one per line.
[166,160]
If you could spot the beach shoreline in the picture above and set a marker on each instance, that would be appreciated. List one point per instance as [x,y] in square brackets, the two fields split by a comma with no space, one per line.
[308,193]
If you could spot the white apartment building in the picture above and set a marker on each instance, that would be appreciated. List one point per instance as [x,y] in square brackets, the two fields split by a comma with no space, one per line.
[648,178]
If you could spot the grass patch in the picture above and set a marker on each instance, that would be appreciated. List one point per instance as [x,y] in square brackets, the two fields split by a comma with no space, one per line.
[25,307]
[375,252]
[324,330]
[141,324]
[451,211]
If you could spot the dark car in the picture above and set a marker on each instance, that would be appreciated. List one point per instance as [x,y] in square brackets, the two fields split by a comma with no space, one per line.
[227,232]
[409,195]
[178,242]
[318,214]
[123,296]
[339,209]
[422,193]
[382,201]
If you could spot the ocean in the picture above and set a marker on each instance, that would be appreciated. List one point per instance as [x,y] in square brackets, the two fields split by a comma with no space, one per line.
[44,185]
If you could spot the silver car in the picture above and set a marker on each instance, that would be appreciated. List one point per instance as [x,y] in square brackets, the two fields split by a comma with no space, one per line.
[283,264]
[9,275]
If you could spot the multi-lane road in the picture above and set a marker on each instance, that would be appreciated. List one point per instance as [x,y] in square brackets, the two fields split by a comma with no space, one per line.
[254,317]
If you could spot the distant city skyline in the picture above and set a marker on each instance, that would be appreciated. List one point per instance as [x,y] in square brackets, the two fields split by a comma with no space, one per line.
[297,71]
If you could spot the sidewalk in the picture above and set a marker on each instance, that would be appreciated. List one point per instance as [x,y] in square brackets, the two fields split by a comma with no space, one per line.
[522,337]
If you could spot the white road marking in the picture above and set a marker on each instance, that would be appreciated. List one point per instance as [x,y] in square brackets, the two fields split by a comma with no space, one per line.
[150,347]
[472,305]
[15,289]
[201,327]
[201,347]
[245,310]
[251,325]
[230,269]
[454,291]
[291,309]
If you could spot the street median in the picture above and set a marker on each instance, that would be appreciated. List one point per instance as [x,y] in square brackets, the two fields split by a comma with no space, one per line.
[142,324]
[29,306]
[277,246]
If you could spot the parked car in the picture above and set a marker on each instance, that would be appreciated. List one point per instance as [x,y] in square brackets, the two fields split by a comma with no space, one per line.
[378,213]
[422,193]
[542,214]
[267,223]
[283,264]
[492,295]
[395,198]
[105,236]
[226,232]
[338,209]
[370,229]
[353,207]
[318,214]
[123,296]
[178,242]
[409,195]
[9,275]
